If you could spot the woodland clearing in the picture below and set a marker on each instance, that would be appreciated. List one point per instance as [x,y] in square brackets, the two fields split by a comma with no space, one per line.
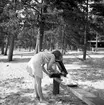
[17,87]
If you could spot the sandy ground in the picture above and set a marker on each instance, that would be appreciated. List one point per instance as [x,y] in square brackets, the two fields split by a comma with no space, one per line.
[17,87]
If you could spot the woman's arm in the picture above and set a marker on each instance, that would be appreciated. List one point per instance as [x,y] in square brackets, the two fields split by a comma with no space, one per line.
[50,63]
[44,70]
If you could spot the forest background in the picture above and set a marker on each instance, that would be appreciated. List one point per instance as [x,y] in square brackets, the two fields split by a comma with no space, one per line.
[50,24]
[30,26]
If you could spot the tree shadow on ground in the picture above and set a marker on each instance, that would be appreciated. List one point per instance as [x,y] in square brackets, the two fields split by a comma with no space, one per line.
[91,72]
[64,97]
[91,69]
[88,53]
[87,74]
[20,60]
[19,57]
[15,60]
[24,54]
[25,96]
[18,97]
[4,60]
[71,60]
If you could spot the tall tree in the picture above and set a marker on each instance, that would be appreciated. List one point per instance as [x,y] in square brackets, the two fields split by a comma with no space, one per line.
[2,18]
[12,25]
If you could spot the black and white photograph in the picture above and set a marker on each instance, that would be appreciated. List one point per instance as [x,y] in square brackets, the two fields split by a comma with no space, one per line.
[51,52]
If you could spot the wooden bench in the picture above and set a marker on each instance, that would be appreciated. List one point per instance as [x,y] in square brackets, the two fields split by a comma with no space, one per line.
[85,96]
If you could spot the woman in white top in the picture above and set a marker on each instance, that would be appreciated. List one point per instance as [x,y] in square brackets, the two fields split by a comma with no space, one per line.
[36,67]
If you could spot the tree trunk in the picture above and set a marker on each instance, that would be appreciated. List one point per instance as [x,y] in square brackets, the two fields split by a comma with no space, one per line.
[2,44]
[96,47]
[2,48]
[63,41]
[10,55]
[85,34]
[51,43]
[41,32]
[37,48]
[84,52]
[7,44]
[85,46]
[40,35]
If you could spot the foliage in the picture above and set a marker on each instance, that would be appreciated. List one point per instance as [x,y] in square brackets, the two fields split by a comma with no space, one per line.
[19,15]
[98,9]
[27,39]
[97,19]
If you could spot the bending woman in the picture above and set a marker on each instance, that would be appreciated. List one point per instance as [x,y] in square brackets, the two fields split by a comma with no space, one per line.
[36,68]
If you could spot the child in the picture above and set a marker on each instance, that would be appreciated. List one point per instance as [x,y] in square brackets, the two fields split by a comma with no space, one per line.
[36,68]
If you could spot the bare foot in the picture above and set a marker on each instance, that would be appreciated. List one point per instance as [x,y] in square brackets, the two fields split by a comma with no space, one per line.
[43,101]
[37,98]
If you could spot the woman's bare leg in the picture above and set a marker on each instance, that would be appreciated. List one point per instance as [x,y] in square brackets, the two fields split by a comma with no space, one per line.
[39,88]
[35,88]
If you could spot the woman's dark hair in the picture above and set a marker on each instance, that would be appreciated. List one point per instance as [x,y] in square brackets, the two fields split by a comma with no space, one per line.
[57,54]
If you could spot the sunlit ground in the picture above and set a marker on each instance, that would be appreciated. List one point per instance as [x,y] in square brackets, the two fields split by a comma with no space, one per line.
[17,87]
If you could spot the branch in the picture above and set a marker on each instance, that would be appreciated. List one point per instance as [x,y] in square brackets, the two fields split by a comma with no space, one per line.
[37,1]
[39,5]
[33,8]
[51,22]
[53,13]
